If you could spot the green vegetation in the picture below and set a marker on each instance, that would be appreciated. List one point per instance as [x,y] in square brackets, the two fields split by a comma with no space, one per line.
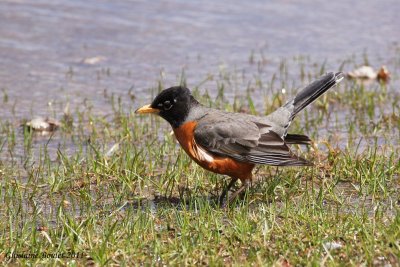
[118,190]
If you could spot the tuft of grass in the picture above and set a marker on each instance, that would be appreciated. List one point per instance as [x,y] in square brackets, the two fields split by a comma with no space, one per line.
[116,189]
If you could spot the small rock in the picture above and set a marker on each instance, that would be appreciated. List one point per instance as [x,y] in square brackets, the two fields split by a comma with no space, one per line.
[383,74]
[93,60]
[364,72]
[332,245]
[42,125]
[368,73]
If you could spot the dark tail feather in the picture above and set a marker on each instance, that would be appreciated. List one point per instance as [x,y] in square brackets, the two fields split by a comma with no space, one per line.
[298,162]
[313,91]
[292,139]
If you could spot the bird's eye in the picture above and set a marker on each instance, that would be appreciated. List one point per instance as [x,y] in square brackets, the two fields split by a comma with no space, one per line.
[167,105]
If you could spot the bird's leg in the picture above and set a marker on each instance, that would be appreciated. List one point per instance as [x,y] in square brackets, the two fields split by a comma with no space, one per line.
[246,185]
[225,191]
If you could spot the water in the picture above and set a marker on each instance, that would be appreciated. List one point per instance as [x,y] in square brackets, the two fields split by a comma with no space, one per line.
[43,43]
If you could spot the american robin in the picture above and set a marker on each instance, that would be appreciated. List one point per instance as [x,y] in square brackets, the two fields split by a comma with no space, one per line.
[233,143]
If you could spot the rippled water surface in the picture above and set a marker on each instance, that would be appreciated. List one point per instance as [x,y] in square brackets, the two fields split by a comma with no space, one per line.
[130,45]
[43,43]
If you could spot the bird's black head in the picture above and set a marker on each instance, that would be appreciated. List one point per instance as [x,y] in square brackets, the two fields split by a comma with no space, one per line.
[172,104]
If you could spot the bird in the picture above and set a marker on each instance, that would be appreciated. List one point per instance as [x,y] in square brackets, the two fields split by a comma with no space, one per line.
[232,143]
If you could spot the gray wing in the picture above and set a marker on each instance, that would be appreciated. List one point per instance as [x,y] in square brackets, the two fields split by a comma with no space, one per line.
[244,140]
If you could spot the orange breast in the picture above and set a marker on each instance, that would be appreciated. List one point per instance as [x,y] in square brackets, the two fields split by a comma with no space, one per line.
[222,165]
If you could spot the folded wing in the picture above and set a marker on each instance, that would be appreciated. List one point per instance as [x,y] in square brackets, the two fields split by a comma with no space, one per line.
[244,140]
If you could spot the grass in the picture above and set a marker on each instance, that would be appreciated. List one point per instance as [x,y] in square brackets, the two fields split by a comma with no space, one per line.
[118,190]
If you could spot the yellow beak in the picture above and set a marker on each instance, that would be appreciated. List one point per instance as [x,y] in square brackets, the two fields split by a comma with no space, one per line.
[146,109]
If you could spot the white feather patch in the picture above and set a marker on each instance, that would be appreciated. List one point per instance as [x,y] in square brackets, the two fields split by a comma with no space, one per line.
[203,155]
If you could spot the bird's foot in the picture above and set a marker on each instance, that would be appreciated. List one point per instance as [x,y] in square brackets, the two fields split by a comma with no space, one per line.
[222,201]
